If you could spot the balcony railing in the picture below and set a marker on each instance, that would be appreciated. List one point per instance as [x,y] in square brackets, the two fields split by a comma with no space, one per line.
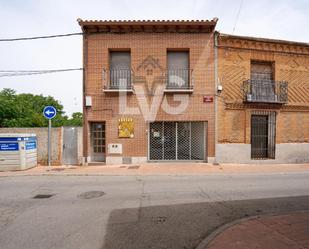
[116,80]
[265,91]
[180,80]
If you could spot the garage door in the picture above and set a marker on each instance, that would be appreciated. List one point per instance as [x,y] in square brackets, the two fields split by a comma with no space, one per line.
[177,141]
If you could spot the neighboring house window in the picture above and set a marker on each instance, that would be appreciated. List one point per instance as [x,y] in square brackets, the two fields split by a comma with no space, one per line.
[120,70]
[262,81]
[263,135]
[178,69]
[261,70]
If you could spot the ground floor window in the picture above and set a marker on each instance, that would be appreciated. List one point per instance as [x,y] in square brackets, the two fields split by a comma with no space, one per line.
[263,131]
[177,140]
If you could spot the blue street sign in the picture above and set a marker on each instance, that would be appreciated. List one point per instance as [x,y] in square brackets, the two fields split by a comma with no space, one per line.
[49,112]
[9,146]
[31,145]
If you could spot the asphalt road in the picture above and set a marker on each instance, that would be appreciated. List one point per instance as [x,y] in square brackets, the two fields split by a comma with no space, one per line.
[137,211]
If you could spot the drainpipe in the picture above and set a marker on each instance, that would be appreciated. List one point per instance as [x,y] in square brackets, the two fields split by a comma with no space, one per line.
[85,121]
[216,93]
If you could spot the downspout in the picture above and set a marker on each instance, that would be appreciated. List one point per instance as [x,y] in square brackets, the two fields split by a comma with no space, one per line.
[85,121]
[216,94]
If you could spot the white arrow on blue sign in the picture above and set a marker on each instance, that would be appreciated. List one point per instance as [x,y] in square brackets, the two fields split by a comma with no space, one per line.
[49,112]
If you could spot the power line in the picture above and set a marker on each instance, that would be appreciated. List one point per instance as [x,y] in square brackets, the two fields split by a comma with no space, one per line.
[37,37]
[237,16]
[30,71]
[11,73]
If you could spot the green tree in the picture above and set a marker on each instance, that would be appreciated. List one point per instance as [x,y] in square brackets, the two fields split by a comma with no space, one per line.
[26,110]
[76,120]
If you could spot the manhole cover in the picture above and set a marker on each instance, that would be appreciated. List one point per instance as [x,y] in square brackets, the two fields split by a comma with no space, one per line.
[91,194]
[42,196]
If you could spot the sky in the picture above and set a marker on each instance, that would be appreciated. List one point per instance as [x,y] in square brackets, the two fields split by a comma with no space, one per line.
[278,19]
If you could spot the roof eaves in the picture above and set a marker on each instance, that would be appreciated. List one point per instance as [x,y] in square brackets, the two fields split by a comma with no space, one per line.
[261,39]
[147,22]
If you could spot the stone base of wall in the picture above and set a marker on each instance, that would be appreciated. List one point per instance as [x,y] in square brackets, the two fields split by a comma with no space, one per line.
[139,160]
[293,152]
[128,160]
[113,160]
[241,153]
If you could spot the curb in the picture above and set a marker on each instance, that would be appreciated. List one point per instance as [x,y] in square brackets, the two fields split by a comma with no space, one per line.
[204,244]
[136,173]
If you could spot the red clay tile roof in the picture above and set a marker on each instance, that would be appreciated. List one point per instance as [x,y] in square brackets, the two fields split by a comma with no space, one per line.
[152,25]
[147,22]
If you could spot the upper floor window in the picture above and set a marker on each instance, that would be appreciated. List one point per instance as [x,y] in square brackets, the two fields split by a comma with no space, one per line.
[178,71]
[262,85]
[120,70]
[262,70]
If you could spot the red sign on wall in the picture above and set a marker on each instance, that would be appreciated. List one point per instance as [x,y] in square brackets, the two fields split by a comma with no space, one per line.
[208,99]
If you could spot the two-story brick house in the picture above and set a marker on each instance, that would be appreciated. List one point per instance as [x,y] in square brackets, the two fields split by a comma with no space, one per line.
[263,110]
[148,90]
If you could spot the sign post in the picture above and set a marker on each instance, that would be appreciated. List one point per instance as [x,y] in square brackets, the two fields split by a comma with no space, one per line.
[49,112]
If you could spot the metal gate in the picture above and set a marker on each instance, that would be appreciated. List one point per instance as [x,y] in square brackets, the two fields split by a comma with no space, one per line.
[263,130]
[177,141]
[70,152]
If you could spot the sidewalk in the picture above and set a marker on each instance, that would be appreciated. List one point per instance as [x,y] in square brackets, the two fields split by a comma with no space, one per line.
[161,169]
[289,231]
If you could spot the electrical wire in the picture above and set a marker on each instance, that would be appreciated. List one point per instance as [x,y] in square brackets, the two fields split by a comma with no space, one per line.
[37,37]
[11,73]
[237,16]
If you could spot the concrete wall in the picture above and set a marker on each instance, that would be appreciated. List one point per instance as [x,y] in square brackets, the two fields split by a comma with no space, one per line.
[56,143]
[241,153]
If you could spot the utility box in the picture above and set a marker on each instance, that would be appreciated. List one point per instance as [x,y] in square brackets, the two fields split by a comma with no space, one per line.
[17,151]
[115,148]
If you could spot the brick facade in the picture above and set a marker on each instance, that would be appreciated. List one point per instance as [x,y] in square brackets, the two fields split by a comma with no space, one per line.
[145,46]
[291,64]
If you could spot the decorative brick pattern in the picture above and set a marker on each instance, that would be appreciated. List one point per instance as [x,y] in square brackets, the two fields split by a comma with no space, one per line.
[291,63]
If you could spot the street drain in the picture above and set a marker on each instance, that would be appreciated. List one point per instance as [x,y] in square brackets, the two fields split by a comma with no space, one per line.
[91,194]
[42,196]
[56,169]
[133,167]
[159,219]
